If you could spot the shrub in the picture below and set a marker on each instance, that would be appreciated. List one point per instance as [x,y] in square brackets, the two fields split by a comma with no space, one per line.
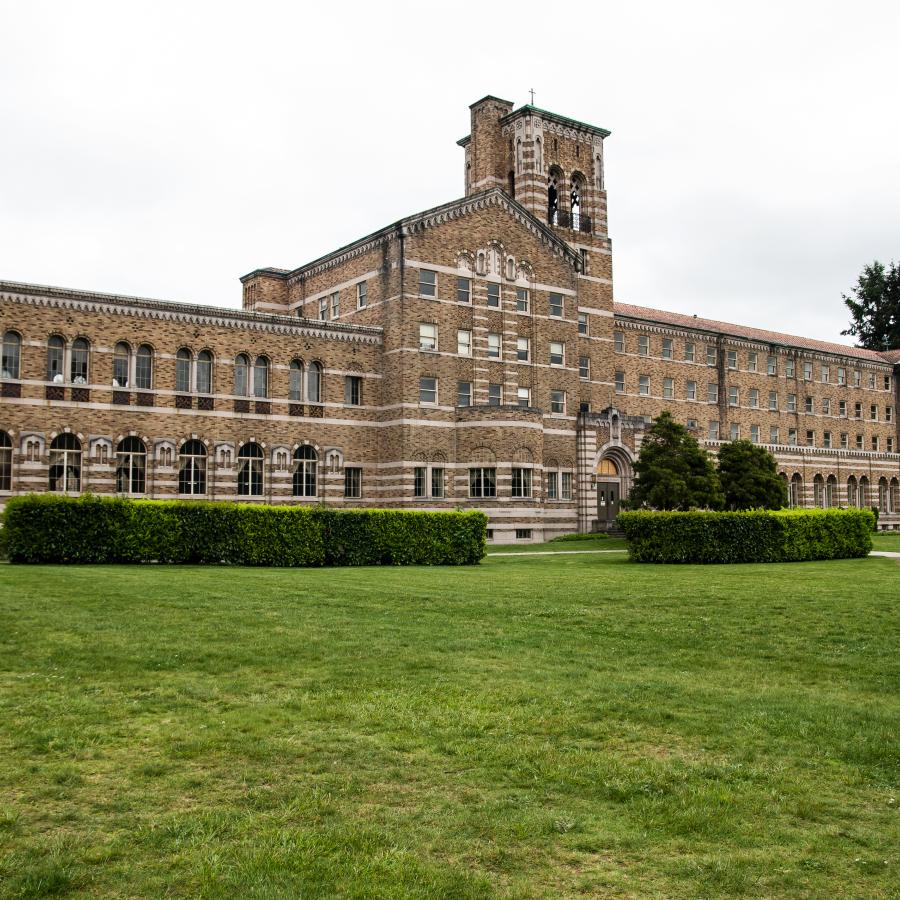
[787,535]
[584,536]
[47,529]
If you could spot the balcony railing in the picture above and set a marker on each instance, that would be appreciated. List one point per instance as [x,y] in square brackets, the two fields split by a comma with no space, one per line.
[565,218]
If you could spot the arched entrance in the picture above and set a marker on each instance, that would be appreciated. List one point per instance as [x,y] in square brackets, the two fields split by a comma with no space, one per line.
[609,492]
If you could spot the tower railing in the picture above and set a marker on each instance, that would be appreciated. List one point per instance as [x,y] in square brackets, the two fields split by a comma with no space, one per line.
[574,219]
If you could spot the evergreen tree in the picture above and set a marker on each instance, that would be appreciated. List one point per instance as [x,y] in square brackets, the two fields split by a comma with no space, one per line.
[875,307]
[673,472]
[749,477]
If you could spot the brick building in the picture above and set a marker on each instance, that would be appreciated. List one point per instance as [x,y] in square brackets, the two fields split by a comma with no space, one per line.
[467,356]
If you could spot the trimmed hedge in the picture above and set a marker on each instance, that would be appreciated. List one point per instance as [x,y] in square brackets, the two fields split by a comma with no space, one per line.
[40,528]
[787,535]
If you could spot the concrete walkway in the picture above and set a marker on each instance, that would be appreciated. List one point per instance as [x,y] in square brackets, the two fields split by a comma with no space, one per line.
[889,553]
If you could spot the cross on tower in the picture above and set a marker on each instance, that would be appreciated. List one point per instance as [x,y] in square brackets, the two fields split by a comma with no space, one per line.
[532,96]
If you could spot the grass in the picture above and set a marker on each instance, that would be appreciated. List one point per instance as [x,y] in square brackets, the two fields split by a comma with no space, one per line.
[532,727]
[886,540]
[599,543]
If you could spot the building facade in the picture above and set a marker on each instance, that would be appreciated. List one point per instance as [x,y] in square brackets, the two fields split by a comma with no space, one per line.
[469,356]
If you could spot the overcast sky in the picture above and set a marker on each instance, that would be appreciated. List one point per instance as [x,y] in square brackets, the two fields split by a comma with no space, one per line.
[166,149]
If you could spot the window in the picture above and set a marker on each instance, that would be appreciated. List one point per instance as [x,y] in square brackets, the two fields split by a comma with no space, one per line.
[556,305]
[522,302]
[732,359]
[437,482]
[65,463]
[712,392]
[183,360]
[713,430]
[773,400]
[464,342]
[553,485]
[428,390]
[842,408]
[689,351]
[5,462]
[792,437]
[808,404]
[192,468]
[523,534]
[419,474]
[668,388]
[352,390]
[735,431]
[690,390]
[845,440]
[557,353]
[558,402]
[314,383]
[521,482]
[12,344]
[361,291]
[495,394]
[482,483]
[889,414]
[241,375]
[323,308]
[826,406]
[857,410]
[887,382]
[121,364]
[773,434]
[841,376]
[732,396]
[427,283]
[771,364]
[857,376]
[523,349]
[352,482]
[427,336]
[463,290]
[250,470]
[619,342]
[875,442]
[754,434]
[890,445]
[493,294]
[143,368]
[789,367]
[873,413]
[295,381]
[667,348]
[493,345]
[825,372]
[425,478]
[582,323]
[810,438]
[826,439]
[859,442]
[620,382]
[710,355]
[55,353]
[753,398]
[643,345]
[463,393]
[523,395]
[335,305]
[131,466]
[304,480]
[79,361]
[807,371]
[261,377]
[566,492]
[791,402]
[752,361]
[871,381]
[584,367]
[644,385]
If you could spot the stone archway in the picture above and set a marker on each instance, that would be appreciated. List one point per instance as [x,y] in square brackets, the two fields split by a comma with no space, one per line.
[613,475]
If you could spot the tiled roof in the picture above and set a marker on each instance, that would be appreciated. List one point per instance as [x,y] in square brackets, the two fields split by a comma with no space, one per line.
[753,334]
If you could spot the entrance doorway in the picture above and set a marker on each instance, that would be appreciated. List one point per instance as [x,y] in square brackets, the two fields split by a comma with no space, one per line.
[609,493]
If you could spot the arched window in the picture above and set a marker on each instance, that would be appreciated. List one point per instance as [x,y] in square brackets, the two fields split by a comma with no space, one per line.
[852,498]
[204,372]
[241,375]
[261,377]
[576,196]
[12,346]
[192,468]
[553,183]
[183,360]
[80,361]
[121,365]
[818,491]
[314,383]
[796,490]
[830,491]
[518,155]
[894,496]
[143,368]
[250,470]
[511,184]
[883,495]
[305,464]
[65,463]
[131,466]
[5,462]
[598,172]
[863,491]
[538,156]
[295,381]
[56,351]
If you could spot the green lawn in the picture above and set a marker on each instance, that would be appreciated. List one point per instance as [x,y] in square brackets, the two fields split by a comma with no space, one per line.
[600,543]
[532,727]
[886,540]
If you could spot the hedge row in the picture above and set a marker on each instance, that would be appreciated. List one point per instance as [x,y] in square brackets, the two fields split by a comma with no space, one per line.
[44,529]
[788,535]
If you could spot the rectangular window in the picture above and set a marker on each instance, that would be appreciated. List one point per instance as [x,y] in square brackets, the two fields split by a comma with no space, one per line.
[754,434]
[427,283]
[493,345]
[668,388]
[872,381]
[735,431]
[752,361]
[857,410]
[643,345]
[557,353]
[732,359]
[791,402]
[667,348]
[523,395]
[522,303]
[826,439]
[558,402]
[335,305]
[889,414]
[495,394]
[524,534]
[772,365]
[754,398]
[323,308]
[873,413]
[419,474]
[807,371]
[352,482]
[713,430]
[826,406]
[810,438]
[463,393]
[427,336]
[584,367]
[712,392]
[352,390]
[841,376]
[428,390]
[890,445]
[859,442]
[875,442]
[437,482]
[553,485]
[710,355]
[842,408]
[732,396]
[521,482]
[620,382]
[493,294]
[566,492]
[644,385]
[690,390]
[773,400]
[773,434]
[826,374]
[482,483]
[789,367]
[857,376]
[523,349]
[808,405]
[463,290]
[361,295]
[845,441]
[887,382]
[464,342]
[792,437]
[619,342]
[582,323]
[556,305]
[689,351]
